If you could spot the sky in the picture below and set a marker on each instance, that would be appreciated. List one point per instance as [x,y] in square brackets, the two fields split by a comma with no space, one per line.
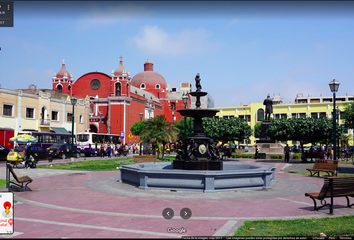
[242,50]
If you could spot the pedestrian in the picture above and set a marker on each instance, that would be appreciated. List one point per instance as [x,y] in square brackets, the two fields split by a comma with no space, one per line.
[332,153]
[102,151]
[256,152]
[109,151]
[287,153]
[328,153]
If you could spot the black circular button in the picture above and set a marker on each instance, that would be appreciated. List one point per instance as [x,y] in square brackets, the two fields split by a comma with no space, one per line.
[168,213]
[185,213]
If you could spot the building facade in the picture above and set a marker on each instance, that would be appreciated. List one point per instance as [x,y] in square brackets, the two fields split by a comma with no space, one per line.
[39,110]
[117,100]
[303,107]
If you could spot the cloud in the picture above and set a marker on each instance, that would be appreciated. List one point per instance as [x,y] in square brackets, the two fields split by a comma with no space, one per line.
[279,56]
[232,22]
[36,77]
[105,14]
[154,40]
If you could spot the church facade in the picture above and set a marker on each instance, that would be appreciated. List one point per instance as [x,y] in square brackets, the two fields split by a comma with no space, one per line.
[118,100]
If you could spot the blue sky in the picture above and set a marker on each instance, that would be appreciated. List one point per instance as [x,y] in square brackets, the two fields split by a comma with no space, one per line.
[242,50]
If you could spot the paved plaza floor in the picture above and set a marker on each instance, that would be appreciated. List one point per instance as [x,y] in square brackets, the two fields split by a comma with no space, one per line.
[82,204]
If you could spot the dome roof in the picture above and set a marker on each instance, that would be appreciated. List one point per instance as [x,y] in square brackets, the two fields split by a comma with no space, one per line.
[120,68]
[150,79]
[63,72]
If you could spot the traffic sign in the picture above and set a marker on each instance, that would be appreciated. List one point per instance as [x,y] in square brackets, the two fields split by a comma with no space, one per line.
[130,135]
[121,134]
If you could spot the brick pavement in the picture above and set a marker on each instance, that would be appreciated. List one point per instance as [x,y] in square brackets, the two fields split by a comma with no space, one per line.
[81,204]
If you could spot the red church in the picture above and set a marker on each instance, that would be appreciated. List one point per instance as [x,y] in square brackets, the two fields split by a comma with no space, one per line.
[117,100]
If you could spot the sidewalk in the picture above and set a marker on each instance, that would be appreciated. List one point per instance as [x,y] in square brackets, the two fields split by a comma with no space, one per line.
[81,204]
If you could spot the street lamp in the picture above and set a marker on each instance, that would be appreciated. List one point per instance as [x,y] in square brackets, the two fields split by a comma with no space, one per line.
[73,102]
[185,101]
[337,118]
[141,119]
[334,85]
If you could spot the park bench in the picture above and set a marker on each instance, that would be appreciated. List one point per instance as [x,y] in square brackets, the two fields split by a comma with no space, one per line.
[323,165]
[333,187]
[20,180]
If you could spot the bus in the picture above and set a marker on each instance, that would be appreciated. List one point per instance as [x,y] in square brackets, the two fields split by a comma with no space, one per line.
[90,143]
[47,139]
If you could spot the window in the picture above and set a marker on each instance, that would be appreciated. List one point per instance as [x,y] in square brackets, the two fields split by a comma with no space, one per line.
[69,117]
[81,118]
[314,115]
[142,86]
[91,109]
[29,112]
[60,88]
[303,115]
[157,86]
[260,114]
[173,106]
[7,110]
[293,115]
[55,116]
[323,115]
[118,90]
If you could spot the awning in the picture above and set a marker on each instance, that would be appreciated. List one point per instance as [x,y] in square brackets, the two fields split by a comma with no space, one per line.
[59,130]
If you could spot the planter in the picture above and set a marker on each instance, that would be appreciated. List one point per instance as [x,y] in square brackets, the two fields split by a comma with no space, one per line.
[145,158]
[239,150]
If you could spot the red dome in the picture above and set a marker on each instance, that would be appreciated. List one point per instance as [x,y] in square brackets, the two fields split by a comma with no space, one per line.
[63,72]
[149,78]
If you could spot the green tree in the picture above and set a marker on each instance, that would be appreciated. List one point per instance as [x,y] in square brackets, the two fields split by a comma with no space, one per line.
[348,116]
[304,130]
[257,130]
[180,128]
[137,127]
[225,130]
[158,131]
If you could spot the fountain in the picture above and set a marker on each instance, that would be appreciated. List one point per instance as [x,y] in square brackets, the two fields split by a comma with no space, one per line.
[198,166]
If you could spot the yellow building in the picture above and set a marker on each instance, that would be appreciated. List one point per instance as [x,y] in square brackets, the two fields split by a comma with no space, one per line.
[41,110]
[315,107]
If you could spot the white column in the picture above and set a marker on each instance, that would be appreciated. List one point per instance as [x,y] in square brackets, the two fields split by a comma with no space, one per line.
[124,122]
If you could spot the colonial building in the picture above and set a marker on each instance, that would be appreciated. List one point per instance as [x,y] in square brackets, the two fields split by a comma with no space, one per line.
[40,110]
[117,100]
[314,107]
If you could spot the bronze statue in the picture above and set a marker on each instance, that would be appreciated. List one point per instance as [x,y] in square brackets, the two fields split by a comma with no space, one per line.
[197,83]
[268,102]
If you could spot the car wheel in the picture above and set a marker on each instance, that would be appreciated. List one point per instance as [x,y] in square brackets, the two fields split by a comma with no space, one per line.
[77,155]
[87,154]
[63,156]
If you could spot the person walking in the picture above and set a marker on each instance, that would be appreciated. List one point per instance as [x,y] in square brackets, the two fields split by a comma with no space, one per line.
[102,151]
[256,152]
[287,153]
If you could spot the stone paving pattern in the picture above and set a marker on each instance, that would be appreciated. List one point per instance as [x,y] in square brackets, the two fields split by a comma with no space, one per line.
[82,204]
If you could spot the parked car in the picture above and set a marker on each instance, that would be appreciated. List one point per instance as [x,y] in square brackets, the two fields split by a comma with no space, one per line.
[3,152]
[37,152]
[62,151]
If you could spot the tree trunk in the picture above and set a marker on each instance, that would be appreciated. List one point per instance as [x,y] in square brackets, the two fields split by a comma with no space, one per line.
[303,158]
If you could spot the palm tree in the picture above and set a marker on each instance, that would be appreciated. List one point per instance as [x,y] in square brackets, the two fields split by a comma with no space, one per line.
[158,131]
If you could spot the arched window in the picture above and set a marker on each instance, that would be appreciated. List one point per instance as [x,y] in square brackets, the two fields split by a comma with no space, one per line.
[60,88]
[142,86]
[118,89]
[157,86]
[260,114]
[69,88]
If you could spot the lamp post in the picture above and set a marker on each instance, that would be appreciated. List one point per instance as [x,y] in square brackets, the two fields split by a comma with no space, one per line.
[337,118]
[185,101]
[141,119]
[334,85]
[73,102]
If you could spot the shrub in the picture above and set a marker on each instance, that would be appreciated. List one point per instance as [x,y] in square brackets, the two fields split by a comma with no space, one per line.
[276,156]
[296,156]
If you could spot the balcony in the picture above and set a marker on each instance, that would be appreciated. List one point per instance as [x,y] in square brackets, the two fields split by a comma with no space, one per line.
[44,122]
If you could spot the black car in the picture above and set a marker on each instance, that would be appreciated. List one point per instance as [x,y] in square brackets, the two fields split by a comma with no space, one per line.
[62,151]
[3,152]
[37,152]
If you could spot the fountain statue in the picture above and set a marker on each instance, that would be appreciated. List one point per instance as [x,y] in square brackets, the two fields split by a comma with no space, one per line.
[198,152]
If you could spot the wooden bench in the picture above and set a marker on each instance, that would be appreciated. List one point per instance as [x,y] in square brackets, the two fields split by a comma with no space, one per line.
[333,187]
[323,165]
[20,180]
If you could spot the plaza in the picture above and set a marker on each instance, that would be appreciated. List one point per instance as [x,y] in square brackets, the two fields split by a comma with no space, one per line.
[82,204]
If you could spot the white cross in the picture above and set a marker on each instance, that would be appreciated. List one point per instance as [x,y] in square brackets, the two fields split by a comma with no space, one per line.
[63,61]
[121,57]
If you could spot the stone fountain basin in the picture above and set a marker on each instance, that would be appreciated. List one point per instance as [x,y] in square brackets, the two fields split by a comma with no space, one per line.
[234,176]
[198,112]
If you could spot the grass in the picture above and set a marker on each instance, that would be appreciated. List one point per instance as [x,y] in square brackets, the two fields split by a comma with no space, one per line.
[338,226]
[94,165]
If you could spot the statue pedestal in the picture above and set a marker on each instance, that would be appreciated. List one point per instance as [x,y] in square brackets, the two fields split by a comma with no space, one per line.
[264,137]
[198,165]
